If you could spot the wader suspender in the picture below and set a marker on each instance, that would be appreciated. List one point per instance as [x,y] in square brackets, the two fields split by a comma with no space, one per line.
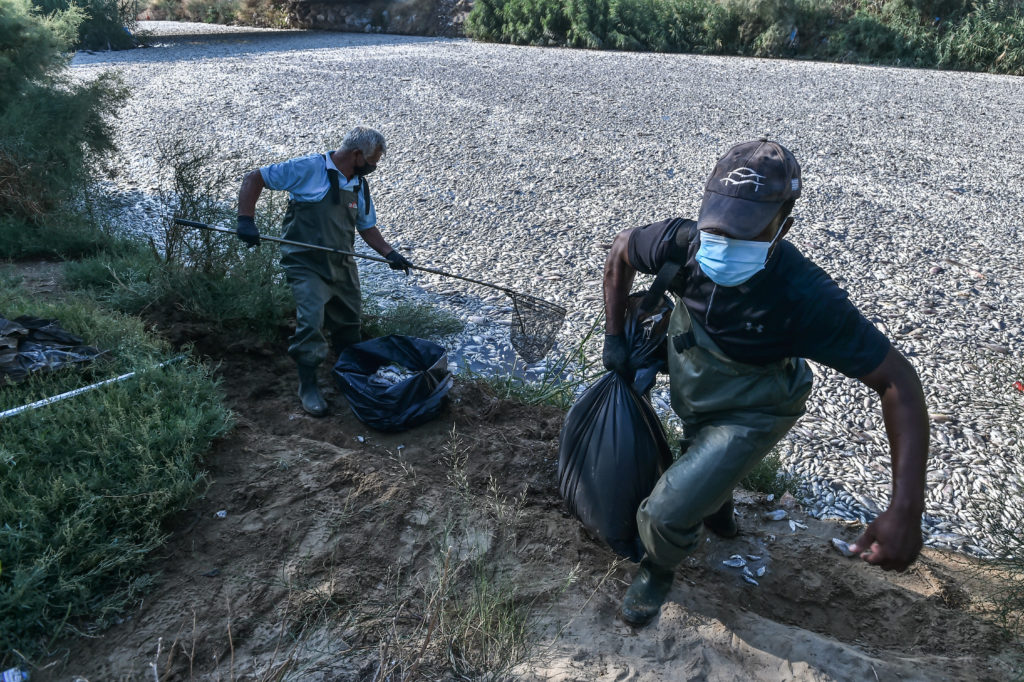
[366,194]
[332,179]
[676,257]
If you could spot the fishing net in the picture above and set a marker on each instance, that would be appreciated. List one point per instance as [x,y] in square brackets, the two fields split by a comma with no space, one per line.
[535,325]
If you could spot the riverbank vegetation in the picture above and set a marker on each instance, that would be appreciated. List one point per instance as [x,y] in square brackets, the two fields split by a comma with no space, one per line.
[974,35]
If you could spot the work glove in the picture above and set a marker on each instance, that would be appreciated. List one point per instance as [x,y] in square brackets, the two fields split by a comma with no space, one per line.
[398,262]
[247,231]
[616,355]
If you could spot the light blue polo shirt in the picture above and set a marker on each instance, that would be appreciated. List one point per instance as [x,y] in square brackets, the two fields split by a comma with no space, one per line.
[305,179]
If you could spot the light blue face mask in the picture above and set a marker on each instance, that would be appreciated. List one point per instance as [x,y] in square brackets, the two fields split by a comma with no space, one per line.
[731,262]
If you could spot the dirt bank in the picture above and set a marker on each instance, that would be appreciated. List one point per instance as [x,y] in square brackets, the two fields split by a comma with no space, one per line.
[342,552]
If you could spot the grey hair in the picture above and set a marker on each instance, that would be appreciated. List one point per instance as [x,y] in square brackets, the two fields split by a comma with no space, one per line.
[364,139]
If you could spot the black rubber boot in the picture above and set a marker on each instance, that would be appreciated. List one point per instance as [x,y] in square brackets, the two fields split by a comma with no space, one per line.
[645,596]
[723,522]
[309,392]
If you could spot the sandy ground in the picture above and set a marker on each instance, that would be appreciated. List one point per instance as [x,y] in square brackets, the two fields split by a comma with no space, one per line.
[334,534]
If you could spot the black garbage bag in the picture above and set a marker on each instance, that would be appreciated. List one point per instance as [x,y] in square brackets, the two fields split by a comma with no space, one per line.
[394,382]
[32,344]
[612,448]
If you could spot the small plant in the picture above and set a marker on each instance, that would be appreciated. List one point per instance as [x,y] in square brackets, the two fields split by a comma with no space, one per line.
[560,383]
[408,319]
[767,476]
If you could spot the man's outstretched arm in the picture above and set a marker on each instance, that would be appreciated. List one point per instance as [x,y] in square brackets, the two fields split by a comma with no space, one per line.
[893,540]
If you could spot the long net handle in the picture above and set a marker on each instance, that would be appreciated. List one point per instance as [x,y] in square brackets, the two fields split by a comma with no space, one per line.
[279,240]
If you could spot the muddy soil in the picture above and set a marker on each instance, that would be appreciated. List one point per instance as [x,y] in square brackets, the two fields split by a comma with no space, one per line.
[317,551]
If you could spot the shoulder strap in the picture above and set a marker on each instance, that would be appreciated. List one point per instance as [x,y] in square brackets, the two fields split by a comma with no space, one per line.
[332,180]
[366,194]
[676,257]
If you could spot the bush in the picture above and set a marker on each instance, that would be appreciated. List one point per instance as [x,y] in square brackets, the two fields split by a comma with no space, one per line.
[59,236]
[106,24]
[87,482]
[210,277]
[964,34]
[53,130]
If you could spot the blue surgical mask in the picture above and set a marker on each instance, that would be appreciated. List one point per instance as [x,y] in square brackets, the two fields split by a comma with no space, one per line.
[731,262]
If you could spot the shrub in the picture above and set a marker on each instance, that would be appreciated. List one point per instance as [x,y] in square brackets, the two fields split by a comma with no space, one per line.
[106,24]
[53,130]
[86,483]
[963,34]
[58,236]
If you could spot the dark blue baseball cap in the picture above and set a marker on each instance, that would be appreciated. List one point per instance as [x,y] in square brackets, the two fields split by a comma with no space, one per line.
[749,185]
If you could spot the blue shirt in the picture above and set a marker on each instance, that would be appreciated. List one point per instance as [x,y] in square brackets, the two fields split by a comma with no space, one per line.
[792,308]
[305,179]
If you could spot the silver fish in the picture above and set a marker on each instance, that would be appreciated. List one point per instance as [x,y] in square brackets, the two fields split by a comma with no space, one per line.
[842,547]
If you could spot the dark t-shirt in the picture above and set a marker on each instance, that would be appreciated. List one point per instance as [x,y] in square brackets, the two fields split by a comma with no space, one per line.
[789,309]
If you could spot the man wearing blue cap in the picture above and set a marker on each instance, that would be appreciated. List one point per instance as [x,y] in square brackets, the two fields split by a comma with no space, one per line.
[329,202]
[750,309]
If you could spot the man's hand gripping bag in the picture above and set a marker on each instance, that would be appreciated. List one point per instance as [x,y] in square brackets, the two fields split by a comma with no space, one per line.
[612,449]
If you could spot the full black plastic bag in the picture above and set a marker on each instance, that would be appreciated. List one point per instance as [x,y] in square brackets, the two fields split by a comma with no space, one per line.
[402,405]
[33,344]
[612,449]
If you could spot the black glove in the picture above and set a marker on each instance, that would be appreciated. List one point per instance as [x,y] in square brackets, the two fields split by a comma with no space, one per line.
[247,231]
[398,262]
[616,355]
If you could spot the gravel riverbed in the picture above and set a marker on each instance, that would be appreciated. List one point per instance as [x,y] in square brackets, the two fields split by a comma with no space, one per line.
[518,165]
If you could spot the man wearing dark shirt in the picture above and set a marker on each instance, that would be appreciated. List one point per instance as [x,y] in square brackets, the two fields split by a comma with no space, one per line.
[751,308]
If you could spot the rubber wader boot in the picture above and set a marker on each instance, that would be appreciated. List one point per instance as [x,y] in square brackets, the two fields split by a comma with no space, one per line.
[723,522]
[645,596]
[309,392]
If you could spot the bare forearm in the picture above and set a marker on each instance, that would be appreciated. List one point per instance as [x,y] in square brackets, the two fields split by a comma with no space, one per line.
[618,280]
[376,241]
[249,194]
[906,425]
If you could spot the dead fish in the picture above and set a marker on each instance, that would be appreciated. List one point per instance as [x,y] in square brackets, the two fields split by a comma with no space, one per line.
[751,580]
[842,547]
[793,525]
[389,375]
[761,571]
[735,561]
[776,515]
[754,557]
[747,573]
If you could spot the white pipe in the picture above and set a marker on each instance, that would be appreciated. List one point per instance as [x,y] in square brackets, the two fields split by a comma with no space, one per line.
[70,394]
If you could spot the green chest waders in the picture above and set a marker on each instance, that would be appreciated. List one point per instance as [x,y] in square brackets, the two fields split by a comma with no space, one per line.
[325,285]
[733,415]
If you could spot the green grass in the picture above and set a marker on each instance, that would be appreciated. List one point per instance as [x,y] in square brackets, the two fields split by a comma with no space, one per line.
[86,482]
[768,477]
[58,237]
[408,319]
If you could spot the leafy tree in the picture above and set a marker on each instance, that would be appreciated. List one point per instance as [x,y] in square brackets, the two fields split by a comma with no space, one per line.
[53,130]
